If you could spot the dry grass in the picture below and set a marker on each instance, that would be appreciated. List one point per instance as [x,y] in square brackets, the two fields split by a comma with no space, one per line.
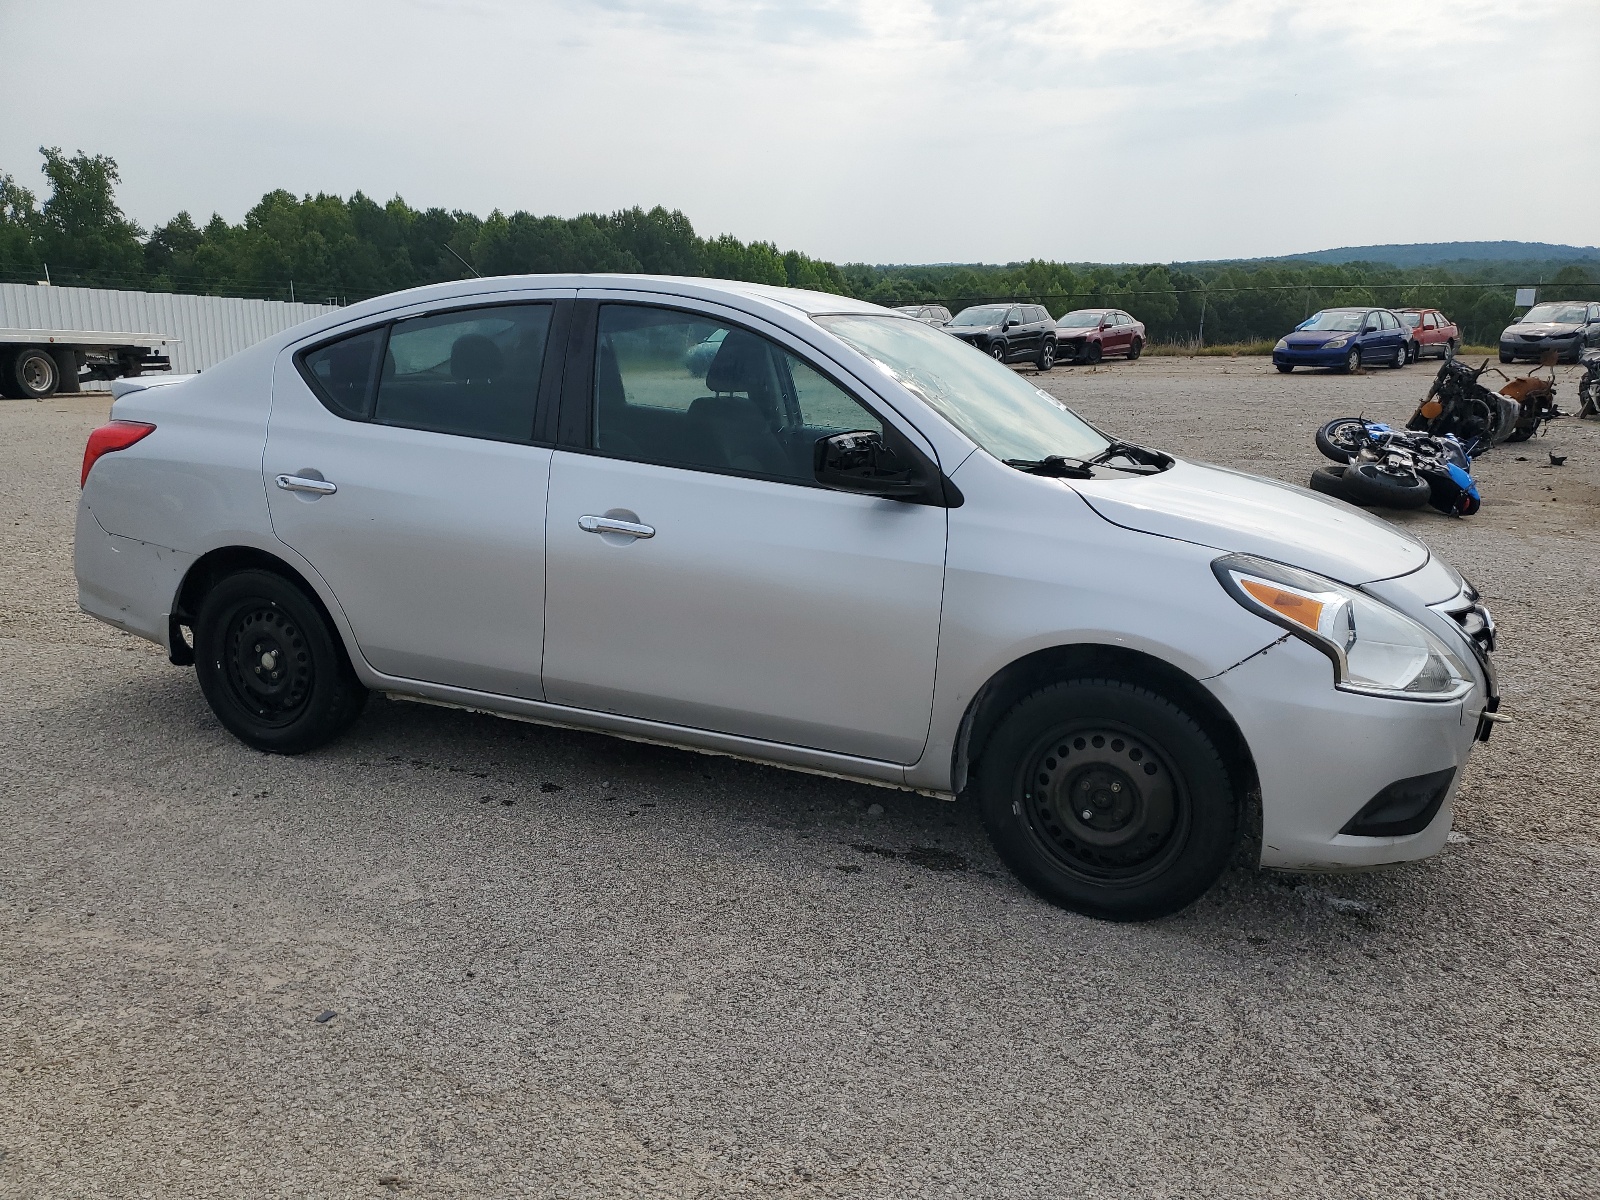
[1189,350]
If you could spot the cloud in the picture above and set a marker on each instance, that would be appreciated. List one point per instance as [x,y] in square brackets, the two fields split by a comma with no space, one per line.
[899,130]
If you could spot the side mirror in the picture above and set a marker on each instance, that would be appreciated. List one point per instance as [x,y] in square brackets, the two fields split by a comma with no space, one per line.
[1007,324]
[861,461]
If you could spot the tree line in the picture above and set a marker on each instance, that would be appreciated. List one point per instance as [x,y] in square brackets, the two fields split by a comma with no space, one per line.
[325,247]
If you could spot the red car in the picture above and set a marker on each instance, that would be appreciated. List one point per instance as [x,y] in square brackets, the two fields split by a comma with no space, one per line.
[1090,334]
[1432,333]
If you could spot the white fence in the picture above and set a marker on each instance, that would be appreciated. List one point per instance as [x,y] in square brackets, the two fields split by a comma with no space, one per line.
[208,328]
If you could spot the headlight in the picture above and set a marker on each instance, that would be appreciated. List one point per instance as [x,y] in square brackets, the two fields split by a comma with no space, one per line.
[1336,343]
[1375,649]
[1283,344]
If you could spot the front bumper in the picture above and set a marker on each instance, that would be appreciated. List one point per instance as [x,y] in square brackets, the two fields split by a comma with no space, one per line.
[1295,357]
[1322,754]
[1569,346]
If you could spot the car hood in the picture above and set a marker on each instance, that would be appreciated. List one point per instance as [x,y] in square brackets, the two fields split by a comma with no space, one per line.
[1073,333]
[1246,514]
[1545,327]
[970,330]
[1300,337]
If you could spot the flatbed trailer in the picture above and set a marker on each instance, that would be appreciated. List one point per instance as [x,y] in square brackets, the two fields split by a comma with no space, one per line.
[35,363]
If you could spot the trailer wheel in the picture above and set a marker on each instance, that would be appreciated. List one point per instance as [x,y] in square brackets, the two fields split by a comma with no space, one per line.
[32,374]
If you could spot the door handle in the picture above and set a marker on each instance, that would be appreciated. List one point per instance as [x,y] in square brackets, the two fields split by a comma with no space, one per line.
[302,483]
[611,525]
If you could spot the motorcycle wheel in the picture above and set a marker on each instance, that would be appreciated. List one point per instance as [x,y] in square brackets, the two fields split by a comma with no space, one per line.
[1329,481]
[1373,486]
[1341,437]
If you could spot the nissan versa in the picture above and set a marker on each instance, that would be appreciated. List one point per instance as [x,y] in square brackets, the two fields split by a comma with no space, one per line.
[843,543]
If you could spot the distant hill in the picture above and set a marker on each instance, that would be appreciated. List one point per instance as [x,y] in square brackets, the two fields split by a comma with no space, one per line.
[1433,254]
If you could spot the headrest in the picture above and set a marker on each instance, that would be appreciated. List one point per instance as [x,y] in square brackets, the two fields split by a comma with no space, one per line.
[475,358]
[740,364]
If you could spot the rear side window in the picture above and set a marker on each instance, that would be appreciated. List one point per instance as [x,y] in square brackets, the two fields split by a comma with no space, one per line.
[474,372]
[344,374]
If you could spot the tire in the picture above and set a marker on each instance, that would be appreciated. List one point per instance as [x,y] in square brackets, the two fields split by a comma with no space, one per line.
[1164,814]
[8,388]
[1047,355]
[1284,368]
[1135,348]
[1368,484]
[1505,358]
[1401,356]
[1329,481]
[1450,349]
[33,374]
[1339,439]
[255,622]
[1352,361]
[1093,352]
[997,351]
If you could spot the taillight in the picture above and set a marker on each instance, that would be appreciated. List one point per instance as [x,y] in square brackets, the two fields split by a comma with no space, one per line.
[118,435]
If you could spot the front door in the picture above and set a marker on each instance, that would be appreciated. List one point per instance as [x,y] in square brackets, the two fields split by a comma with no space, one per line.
[696,573]
[400,464]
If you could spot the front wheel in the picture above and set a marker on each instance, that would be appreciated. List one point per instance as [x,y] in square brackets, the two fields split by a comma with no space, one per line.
[1505,358]
[1047,355]
[271,666]
[1352,361]
[1284,368]
[997,351]
[1095,353]
[1377,485]
[1108,799]
[1342,438]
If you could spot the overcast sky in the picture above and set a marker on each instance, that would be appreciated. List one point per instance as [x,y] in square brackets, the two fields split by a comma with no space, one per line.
[889,131]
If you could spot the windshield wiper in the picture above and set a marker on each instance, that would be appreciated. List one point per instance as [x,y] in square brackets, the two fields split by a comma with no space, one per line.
[1053,466]
[1141,458]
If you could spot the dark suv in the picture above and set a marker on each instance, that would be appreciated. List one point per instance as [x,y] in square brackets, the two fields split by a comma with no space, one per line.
[1008,332]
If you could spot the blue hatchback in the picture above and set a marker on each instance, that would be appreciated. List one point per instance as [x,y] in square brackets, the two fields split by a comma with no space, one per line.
[1344,338]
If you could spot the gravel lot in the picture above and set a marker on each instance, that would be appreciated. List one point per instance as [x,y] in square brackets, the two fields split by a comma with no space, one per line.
[562,965]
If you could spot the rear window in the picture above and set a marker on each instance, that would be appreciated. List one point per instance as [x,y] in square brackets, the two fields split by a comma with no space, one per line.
[473,372]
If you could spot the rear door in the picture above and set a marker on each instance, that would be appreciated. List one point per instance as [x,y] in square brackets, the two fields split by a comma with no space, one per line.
[739,596]
[402,462]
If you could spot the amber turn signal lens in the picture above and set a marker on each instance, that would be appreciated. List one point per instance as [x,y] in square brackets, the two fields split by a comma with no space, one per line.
[1302,610]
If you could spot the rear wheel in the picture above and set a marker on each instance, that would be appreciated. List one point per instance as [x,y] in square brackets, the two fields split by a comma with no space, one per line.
[1047,355]
[1379,486]
[1450,349]
[33,374]
[1135,349]
[1401,356]
[1352,361]
[271,666]
[1108,799]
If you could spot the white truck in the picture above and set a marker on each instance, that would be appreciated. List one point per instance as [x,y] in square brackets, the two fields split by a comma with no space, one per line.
[35,363]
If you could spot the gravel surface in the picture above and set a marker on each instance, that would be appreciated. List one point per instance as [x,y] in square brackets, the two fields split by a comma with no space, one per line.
[458,956]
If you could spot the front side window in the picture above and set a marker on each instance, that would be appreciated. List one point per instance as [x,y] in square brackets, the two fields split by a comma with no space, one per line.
[992,405]
[474,372]
[682,389]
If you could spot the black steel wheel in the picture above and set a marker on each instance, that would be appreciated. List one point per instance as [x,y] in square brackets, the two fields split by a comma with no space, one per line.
[1095,353]
[1047,355]
[1108,799]
[271,666]
[1379,485]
